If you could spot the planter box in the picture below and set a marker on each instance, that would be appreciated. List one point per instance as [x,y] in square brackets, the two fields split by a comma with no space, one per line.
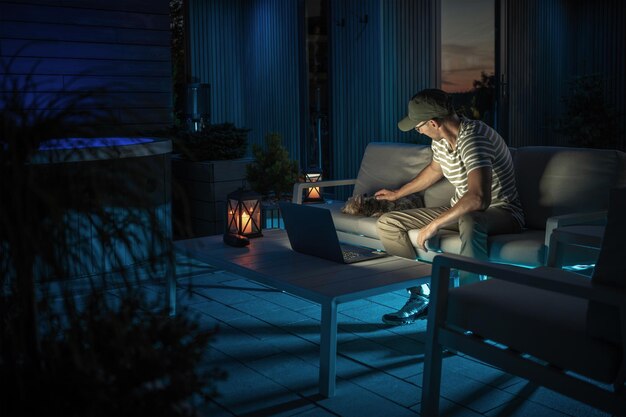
[199,192]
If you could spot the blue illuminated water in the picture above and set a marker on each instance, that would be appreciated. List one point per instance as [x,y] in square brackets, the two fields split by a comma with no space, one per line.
[81,143]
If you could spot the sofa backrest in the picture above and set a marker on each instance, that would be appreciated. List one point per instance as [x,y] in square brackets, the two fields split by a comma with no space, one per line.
[557,180]
[390,165]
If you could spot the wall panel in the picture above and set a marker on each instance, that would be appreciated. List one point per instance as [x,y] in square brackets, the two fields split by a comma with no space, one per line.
[376,67]
[550,42]
[248,52]
[271,72]
[118,51]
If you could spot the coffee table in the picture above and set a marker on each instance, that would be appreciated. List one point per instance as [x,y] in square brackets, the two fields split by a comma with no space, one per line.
[269,260]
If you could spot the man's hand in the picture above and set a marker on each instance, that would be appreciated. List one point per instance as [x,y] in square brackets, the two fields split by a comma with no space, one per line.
[385,194]
[426,233]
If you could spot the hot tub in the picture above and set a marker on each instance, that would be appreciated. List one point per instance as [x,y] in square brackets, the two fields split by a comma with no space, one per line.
[115,195]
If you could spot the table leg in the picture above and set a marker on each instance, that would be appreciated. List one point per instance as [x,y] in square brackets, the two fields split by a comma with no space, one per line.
[170,283]
[328,349]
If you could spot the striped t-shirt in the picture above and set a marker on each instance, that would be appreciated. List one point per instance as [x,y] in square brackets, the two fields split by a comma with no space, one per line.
[477,146]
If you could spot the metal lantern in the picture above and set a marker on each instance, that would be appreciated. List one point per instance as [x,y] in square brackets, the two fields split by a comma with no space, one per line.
[243,213]
[313,194]
[198,110]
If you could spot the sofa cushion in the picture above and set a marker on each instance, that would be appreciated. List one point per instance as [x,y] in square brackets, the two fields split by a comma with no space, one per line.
[555,180]
[524,249]
[390,165]
[545,324]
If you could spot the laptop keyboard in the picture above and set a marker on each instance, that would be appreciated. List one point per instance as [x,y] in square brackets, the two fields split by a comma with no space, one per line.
[349,255]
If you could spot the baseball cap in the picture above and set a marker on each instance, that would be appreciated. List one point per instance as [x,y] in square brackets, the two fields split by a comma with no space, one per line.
[426,105]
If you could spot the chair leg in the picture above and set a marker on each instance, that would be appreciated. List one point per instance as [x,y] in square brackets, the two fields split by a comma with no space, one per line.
[431,382]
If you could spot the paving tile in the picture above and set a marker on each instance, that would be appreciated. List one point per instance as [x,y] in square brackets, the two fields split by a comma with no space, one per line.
[223,293]
[392,388]
[314,412]
[451,409]
[353,400]
[393,300]
[375,355]
[474,395]
[301,407]
[218,311]
[368,313]
[308,329]
[286,300]
[158,296]
[553,400]
[257,306]
[257,328]
[241,345]
[520,408]
[415,330]
[281,316]
[197,278]
[357,326]
[352,305]
[313,310]
[479,371]
[248,392]
[350,329]
[297,346]
[290,372]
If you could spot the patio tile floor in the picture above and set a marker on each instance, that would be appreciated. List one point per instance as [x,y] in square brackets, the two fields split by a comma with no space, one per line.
[268,343]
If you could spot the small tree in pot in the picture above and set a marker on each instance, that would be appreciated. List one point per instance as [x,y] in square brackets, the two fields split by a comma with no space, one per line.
[272,172]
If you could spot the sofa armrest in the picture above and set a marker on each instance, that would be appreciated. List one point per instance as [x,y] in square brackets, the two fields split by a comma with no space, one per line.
[299,187]
[592,218]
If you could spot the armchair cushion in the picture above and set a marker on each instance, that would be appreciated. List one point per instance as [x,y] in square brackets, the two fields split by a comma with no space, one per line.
[534,321]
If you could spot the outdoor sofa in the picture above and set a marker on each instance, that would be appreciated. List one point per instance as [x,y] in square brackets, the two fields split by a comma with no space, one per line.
[558,186]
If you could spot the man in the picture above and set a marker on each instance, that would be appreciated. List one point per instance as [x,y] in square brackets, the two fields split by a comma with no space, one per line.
[477,161]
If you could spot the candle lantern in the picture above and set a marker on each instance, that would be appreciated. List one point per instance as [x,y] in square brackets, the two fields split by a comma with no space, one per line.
[313,194]
[243,213]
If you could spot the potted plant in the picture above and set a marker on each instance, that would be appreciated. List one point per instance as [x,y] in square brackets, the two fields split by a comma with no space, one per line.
[207,165]
[272,174]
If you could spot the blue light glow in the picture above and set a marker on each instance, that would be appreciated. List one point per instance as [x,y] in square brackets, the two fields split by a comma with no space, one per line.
[80,143]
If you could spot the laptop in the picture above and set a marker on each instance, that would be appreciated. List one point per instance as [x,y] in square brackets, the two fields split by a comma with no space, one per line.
[311,231]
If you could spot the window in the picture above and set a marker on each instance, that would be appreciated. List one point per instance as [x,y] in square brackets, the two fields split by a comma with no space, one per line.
[468,56]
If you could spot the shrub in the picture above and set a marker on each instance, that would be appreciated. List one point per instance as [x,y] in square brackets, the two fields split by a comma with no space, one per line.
[272,171]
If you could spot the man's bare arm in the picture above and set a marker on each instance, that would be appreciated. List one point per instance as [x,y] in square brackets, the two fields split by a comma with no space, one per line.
[477,197]
[427,177]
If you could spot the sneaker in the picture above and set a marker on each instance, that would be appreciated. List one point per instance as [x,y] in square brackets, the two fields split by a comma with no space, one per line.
[415,308]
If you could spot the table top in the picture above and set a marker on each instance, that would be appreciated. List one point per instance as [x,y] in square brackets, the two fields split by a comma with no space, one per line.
[271,261]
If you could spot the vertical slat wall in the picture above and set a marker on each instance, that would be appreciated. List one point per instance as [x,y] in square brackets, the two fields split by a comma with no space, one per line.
[409,46]
[599,47]
[355,82]
[271,72]
[537,57]
[119,47]
[551,42]
[216,43]
[375,68]
[248,52]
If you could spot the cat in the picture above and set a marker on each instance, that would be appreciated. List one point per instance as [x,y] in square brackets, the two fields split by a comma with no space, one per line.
[369,206]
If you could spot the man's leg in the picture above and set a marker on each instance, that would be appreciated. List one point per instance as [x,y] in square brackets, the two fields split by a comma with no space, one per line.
[393,228]
[474,230]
